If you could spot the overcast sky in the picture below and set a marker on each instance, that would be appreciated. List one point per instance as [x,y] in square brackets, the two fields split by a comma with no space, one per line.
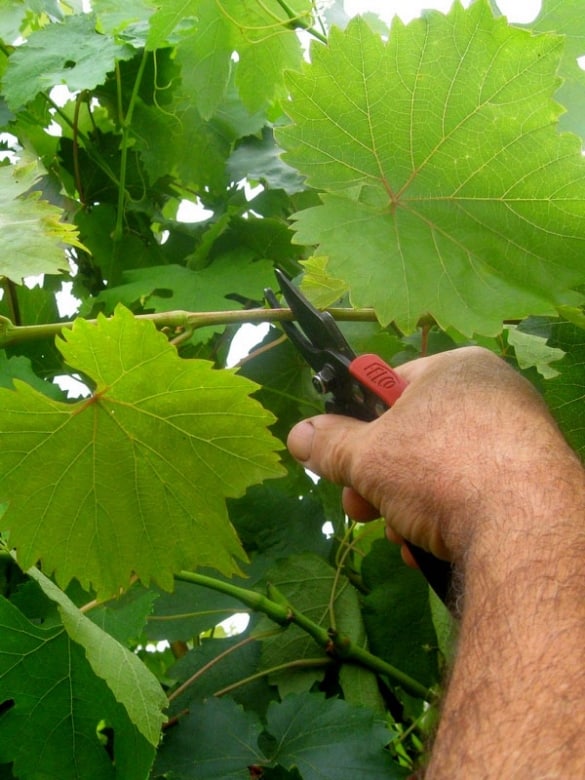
[515,10]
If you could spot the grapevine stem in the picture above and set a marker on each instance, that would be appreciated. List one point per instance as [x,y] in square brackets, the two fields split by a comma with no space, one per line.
[339,646]
[15,334]
[10,294]
[89,147]
[297,21]
[126,122]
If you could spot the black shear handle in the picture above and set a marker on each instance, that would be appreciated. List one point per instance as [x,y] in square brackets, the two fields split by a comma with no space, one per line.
[438,573]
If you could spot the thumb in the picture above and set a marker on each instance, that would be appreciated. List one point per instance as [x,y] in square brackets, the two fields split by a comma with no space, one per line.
[326,444]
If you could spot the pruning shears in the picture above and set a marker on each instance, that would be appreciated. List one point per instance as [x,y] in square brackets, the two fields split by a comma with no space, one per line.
[363,387]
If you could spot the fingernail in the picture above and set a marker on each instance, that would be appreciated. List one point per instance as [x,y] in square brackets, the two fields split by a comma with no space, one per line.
[300,440]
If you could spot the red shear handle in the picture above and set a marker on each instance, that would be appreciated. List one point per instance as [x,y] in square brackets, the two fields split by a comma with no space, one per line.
[377,376]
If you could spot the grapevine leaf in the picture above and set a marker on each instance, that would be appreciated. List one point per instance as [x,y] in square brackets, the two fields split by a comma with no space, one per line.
[322,738]
[11,20]
[258,519]
[285,380]
[566,17]
[218,739]
[204,290]
[20,368]
[114,17]
[532,350]
[260,159]
[134,478]
[71,53]
[329,738]
[195,149]
[320,288]
[54,706]
[361,688]
[565,393]
[267,44]
[126,617]
[188,611]
[397,613]
[32,235]
[448,189]
[126,676]
[170,15]
[205,59]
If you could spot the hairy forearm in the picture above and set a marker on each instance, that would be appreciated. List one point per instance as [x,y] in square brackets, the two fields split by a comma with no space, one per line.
[514,704]
[469,465]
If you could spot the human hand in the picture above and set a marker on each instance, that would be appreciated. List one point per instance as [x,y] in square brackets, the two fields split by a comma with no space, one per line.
[468,439]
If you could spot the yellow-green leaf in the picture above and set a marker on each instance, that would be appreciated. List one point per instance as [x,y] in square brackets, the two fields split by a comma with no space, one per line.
[132,684]
[133,479]
[32,233]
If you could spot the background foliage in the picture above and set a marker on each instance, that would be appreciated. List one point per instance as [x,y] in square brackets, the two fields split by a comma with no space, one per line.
[428,181]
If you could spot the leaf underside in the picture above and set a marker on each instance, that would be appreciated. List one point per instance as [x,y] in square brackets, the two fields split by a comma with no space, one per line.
[134,478]
[447,189]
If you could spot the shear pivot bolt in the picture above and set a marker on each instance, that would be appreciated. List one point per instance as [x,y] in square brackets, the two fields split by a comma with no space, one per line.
[323,381]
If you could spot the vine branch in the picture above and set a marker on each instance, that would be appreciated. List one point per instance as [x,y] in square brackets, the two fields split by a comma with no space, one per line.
[177,320]
[339,646]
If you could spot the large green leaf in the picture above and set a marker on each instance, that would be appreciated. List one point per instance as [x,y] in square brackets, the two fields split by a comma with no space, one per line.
[329,738]
[173,286]
[217,740]
[205,59]
[448,188]
[71,53]
[32,235]
[126,676]
[125,19]
[321,738]
[56,712]
[133,478]
[212,665]
[170,15]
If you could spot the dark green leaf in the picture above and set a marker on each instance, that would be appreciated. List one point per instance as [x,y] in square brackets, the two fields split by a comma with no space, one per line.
[565,393]
[55,707]
[71,53]
[174,287]
[240,661]
[128,679]
[260,159]
[217,740]
[20,368]
[125,618]
[397,614]
[329,739]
